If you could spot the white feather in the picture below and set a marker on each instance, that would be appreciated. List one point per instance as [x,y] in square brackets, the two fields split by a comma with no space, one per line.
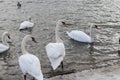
[3,48]
[55,53]
[26,24]
[30,64]
[79,36]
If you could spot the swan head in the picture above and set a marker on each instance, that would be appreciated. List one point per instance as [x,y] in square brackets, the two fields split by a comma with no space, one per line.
[61,23]
[7,34]
[29,37]
[93,26]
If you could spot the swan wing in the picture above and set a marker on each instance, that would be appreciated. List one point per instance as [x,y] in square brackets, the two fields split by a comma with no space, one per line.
[3,48]
[30,64]
[26,24]
[79,36]
[55,53]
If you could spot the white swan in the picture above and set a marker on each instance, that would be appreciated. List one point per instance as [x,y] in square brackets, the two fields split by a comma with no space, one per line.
[56,51]
[4,46]
[26,25]
[29,63]
[82,36]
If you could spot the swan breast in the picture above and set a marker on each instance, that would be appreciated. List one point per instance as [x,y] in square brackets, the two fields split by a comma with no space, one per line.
[55,53]
[30,64]
[55,50]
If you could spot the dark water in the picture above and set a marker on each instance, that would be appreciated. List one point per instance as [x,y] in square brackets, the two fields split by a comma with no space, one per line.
[78,14]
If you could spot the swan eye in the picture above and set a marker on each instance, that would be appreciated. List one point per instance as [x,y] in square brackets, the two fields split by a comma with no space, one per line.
[64,23]
[33,39]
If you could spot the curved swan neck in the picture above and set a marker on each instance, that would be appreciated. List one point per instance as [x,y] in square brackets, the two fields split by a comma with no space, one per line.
[23,44]
[57,33]
[91,32]
[4,41]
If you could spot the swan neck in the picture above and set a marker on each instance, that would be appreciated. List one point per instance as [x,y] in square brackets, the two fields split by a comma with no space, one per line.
[4,41]
[91,32]
[57,33]
[23,46]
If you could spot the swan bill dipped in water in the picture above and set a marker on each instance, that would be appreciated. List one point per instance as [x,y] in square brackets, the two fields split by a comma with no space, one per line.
[4,46]
[56,51]
[29,63]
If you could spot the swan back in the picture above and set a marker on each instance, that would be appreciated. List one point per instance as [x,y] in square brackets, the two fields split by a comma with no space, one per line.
[3,48]
[26,24]
[55,53]
[79,36]
[30,64]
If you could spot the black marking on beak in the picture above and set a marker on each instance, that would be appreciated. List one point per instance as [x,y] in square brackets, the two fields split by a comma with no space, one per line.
[9,37]
[33,39]
[64,24]
[21,29]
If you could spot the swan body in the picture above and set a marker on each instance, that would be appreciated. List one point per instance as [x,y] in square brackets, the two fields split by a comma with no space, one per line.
[79,36]
[29,63]
[82,36]
[4,46]
[56,51]
[26,25]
